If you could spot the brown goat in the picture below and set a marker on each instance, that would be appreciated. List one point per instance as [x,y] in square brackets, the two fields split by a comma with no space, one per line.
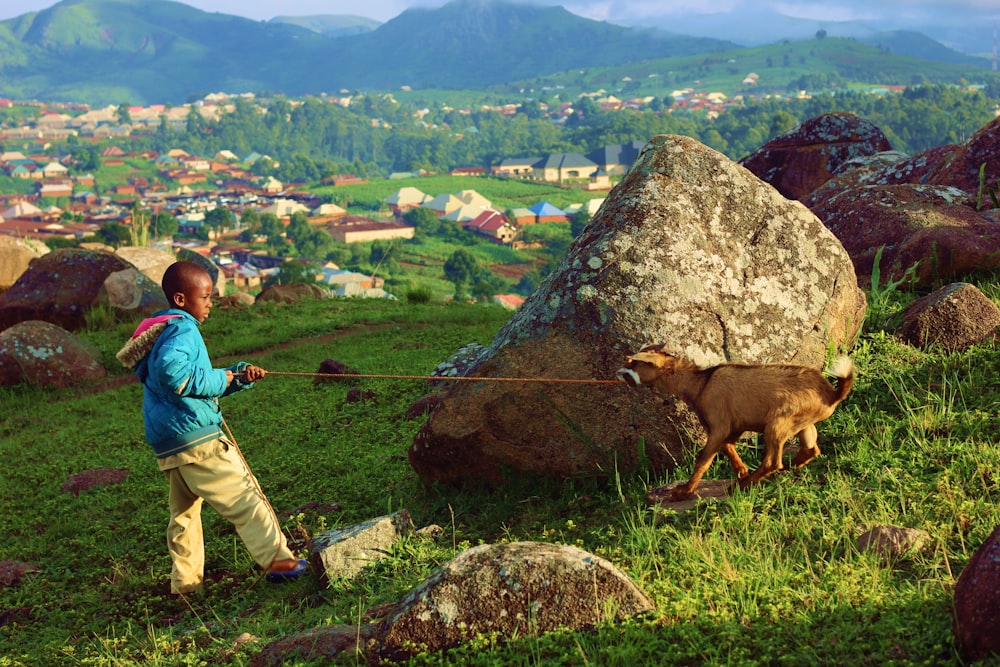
[778,400]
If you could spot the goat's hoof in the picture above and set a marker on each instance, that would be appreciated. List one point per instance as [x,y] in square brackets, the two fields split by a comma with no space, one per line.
[668,494]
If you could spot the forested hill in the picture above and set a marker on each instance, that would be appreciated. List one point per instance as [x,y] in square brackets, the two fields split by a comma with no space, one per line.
[143,51]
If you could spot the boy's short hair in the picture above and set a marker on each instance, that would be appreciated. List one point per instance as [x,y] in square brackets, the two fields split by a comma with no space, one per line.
[178,278]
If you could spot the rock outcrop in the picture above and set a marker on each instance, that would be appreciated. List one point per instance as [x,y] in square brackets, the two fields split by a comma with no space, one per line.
[691,250]
[15,256]
[59,287]
[931,231]
[521,588]
[800,161]
[977,603]
[36,352]
[952,318]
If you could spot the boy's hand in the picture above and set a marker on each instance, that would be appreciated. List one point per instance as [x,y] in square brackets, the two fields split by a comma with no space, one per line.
[229,377]
[254,373]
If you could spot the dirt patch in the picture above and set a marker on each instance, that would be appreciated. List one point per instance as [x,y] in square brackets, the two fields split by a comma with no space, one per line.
[11,573]
[88,479]
[512,271]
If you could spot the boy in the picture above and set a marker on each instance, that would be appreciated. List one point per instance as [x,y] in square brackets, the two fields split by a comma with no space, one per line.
[183,425]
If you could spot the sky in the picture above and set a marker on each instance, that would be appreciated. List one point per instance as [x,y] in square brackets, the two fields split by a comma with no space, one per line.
[609,10]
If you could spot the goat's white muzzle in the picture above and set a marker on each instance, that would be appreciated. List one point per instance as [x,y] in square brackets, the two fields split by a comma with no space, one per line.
[628,376]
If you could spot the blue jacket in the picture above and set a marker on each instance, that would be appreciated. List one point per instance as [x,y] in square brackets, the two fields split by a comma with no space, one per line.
[181,390]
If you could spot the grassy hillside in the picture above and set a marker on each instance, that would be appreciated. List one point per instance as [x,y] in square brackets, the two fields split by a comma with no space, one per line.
[779,66]
[768,576]
[106,51]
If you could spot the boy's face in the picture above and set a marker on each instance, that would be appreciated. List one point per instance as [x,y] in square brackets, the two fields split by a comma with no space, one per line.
[196,299]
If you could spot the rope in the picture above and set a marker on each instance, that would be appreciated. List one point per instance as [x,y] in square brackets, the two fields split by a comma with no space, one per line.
[434,378]
[260,492]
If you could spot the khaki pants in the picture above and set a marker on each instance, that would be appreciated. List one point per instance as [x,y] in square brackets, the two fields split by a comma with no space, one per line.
[217,474]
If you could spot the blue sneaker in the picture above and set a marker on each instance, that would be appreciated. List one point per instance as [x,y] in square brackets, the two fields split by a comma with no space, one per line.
[281,576]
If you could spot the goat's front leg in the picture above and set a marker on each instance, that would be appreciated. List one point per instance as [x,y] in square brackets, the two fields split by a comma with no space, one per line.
[808,449]
[701,464]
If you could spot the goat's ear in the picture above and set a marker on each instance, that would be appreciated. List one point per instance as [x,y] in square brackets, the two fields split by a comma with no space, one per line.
[654,359]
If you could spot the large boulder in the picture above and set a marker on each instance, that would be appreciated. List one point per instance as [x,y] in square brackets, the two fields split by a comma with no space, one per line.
[131,294]
[15,256]
[151,261]
[932,229]
[691,250]
[59,287]
[218,277]
[977,603]
[962,167]
[36,352]
[516,589]
[799,161]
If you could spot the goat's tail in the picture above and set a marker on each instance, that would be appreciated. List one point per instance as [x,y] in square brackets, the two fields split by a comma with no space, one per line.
[845,371]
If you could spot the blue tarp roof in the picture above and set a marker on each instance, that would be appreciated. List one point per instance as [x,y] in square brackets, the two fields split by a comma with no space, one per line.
[543,208]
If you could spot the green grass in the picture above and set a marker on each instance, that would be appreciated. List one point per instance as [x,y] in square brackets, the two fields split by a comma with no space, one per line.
[503,193]
[769,576]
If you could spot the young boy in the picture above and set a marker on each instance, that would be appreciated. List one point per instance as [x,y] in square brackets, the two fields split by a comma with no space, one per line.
[183,425]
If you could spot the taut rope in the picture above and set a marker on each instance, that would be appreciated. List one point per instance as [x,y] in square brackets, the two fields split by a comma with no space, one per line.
[445,378]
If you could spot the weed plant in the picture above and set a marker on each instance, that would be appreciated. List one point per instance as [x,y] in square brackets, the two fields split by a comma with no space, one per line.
[769,576]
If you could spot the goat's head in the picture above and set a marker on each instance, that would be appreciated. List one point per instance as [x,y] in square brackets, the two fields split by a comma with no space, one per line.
[646,365]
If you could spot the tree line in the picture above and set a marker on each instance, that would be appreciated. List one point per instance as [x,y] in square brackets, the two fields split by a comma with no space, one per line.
[376,136]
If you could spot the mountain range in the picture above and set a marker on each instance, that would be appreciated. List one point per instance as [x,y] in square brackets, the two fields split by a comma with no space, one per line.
[144,51]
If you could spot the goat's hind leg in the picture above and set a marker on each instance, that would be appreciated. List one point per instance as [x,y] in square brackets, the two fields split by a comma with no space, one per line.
[775,436]
[740,469]
[808,449]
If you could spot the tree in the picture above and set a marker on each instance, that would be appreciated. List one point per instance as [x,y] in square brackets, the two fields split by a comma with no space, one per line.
[250,221]
[163,224]
[298,228]
[273,229]
[219,219]
[294,271]
[114,234]
[821,34]
[485,285]
[122,115]
[423,220]
[461,268]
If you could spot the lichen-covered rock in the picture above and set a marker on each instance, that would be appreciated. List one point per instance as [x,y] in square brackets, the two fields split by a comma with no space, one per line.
[343,553]
[691,250]
[132,294]
[516,589]
[36,352]
[799,161]
[15,256]
[915,169]
[977,602]
[961,169]
[864,170]
[933,229]
[151,261]
[892,542]
[59,287]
